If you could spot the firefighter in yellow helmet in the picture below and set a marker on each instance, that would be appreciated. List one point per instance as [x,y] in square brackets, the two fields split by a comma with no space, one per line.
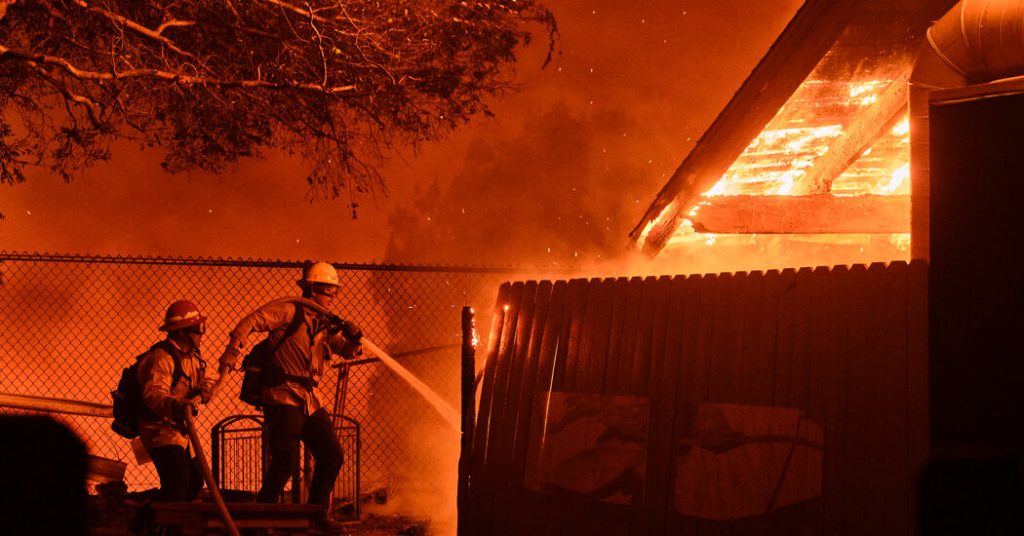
[302,342]
[173,378]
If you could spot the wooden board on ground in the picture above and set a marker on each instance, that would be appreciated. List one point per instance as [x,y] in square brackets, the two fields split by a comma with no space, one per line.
[202,518]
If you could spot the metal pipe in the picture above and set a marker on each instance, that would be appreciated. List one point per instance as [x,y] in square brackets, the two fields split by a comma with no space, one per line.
[974,42]
[981,40]
[56,405]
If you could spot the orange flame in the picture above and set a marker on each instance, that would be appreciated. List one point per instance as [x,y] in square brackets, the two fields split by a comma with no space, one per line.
[777,161]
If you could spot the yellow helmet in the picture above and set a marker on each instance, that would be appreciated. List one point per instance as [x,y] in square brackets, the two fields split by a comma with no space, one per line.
[320,272]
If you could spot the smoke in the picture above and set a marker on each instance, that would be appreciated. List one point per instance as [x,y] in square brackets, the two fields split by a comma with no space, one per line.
[568,166]
[549,193]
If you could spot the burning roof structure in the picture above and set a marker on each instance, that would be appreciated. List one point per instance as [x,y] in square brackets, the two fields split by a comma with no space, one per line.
[814,144]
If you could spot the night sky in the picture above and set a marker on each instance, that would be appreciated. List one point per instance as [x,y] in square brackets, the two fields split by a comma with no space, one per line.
[558,177]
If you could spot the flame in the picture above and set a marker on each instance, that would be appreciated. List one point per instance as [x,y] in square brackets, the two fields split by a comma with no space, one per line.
[778,159]
[775,161]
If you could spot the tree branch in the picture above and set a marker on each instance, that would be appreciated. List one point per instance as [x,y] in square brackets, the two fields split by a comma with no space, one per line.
[177,78]
[91,108]
[160,29]
[120,19]
[296,9]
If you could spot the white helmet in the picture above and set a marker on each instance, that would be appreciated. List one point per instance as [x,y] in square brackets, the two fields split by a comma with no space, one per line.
[320,272]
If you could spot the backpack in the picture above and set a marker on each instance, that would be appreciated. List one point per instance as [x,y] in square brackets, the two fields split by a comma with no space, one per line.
[128,404]
[258,366]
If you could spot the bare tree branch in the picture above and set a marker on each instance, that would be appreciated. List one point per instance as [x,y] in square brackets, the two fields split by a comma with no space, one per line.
[177,78]
[90,106]
[155,34]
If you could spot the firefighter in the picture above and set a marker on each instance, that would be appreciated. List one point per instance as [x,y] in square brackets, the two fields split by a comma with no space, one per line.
[303,341]
[173,378]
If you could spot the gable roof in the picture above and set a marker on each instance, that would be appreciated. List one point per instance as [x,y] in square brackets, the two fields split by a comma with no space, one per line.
[830,38]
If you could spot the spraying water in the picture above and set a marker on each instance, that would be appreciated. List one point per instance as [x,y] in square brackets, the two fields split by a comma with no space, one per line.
[443,408]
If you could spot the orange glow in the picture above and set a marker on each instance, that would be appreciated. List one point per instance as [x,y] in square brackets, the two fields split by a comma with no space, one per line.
[778,160]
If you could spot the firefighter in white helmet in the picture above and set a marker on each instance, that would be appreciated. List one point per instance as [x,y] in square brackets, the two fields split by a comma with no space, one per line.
[173,378]
[302,342]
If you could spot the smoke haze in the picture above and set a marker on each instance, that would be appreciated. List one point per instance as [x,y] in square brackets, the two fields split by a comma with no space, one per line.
[569,162]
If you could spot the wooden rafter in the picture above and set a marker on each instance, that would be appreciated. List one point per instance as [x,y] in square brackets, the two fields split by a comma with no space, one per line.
[807,214]
[867,127]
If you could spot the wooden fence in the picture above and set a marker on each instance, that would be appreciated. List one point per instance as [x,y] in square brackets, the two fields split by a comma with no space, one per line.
[751,403]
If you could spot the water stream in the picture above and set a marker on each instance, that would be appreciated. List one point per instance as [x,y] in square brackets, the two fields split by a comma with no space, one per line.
[443,409]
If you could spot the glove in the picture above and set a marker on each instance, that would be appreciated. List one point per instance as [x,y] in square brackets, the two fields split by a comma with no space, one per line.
[229,357]
[180,406]
[206,394]
[349,330]
[351,349]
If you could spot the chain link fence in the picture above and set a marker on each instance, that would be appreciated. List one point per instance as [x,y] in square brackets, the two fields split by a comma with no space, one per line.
[71,323]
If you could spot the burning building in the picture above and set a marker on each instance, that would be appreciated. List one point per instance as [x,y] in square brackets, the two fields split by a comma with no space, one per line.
[810,162]
[835,400]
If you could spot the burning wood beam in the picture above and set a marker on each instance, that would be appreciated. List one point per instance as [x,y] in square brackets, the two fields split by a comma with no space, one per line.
[867,127]
[811,33]
[809,214]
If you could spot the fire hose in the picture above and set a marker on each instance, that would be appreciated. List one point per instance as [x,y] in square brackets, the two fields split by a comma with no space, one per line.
[204,468]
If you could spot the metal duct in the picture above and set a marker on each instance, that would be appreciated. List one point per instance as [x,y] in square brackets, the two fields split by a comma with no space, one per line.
[976,41]
[981,40]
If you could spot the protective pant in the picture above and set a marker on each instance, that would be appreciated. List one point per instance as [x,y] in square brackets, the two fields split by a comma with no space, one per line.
[179,478]
[286,426]
[179,481]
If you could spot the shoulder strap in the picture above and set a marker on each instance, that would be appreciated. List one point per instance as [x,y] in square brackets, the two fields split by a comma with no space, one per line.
[166,346]
[293,326]
[297,321]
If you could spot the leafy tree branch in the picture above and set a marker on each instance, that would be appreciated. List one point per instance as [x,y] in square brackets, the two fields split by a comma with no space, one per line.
[338,82]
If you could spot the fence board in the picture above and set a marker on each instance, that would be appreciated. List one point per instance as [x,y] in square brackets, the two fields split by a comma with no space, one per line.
[831,344]
[828,397]
[792,388]
[890,322]
[917,377]
[642,340]
[564,374]
[587,515]
[627,340]
[726,340]
[484,410]
[756,380]
[530,382]
[578,308]
[487,479]
[658,480]
[509,417]
[531,519]
[692,389]
[621,516]
[806,388]
[614,366]
[865,498]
